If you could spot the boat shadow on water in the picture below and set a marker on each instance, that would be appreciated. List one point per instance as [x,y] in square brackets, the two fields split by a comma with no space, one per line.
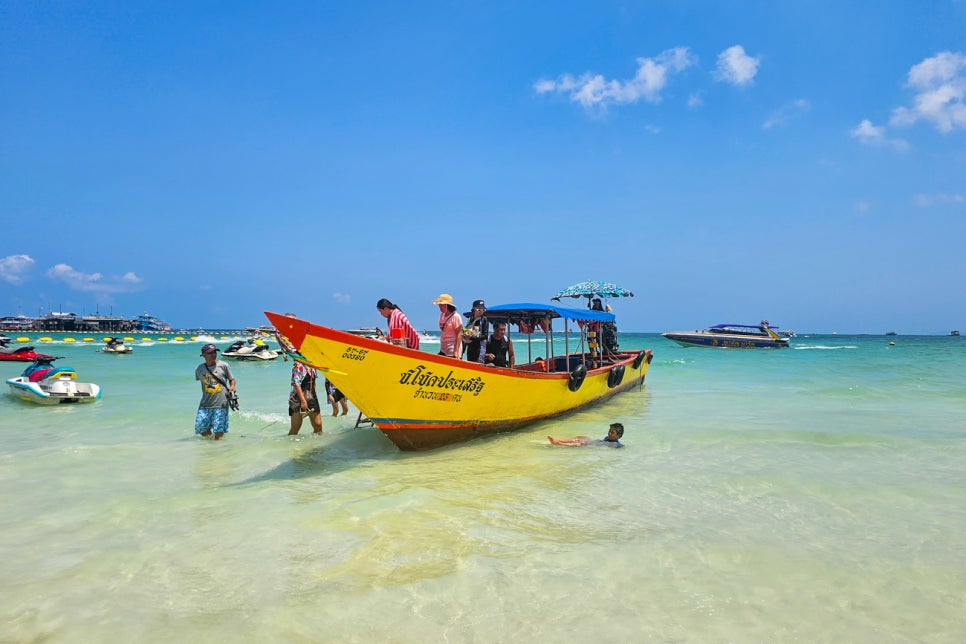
[328,454]
[362,447]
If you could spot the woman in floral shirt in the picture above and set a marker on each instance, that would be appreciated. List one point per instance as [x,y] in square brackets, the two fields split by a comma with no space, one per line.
[303,399]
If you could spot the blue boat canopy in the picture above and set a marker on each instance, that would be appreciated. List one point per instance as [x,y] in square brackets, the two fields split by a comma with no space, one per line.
[529,312]
[738,326]
[762,325]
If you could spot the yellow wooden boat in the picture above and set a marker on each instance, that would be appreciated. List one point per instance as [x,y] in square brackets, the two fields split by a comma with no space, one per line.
[423,401]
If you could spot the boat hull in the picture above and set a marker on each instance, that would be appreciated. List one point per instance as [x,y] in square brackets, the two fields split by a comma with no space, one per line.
[422,401]
[54,392]
[721,340]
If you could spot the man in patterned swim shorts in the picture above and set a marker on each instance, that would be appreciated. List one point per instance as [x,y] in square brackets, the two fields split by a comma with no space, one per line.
[215,377]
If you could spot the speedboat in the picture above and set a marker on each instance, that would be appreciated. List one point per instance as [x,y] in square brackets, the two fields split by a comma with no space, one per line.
[734,336]
[18,354]
[249,350]
[421,400]
[46,384]
[116,345]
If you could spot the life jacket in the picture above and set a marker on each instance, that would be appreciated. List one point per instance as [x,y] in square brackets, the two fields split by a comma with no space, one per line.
[499,349]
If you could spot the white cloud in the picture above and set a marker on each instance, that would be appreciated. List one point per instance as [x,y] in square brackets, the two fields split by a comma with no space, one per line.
[695,100]
[342,298]
[924,201]
[736,67]
[93,282]
[13,267]
[593,90]
[862,206]
[875,135]
[868,133]
[544,85]
[786,113]
[940,86]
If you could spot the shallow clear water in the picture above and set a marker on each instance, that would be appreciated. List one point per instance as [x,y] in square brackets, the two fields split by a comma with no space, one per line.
[814,494]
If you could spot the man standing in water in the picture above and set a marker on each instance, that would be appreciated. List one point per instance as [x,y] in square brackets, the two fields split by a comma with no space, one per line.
[216,380]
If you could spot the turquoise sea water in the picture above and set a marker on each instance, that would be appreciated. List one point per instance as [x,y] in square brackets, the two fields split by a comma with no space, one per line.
[816,493]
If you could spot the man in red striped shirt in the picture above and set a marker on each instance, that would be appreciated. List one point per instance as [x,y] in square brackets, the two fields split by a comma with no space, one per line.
[401,332]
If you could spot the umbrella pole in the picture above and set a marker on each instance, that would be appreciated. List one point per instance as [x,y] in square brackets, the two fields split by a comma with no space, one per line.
[548,342]
[567,342]
[529,348]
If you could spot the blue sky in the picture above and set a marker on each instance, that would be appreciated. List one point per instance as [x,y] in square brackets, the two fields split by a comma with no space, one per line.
[206,161]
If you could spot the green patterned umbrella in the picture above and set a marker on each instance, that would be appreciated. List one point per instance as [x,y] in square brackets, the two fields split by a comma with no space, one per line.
[591,289]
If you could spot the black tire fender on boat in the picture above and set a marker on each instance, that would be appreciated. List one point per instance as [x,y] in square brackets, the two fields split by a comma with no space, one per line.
[639,360]
[577,375]
[616,376]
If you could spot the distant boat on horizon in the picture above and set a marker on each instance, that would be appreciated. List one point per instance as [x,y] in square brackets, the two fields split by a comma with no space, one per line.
[148,322]
[954,333]
[892,333]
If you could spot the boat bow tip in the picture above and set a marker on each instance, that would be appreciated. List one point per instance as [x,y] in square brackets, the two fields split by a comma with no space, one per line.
[292,328]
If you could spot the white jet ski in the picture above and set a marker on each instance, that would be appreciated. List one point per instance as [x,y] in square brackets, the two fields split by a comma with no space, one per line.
[249,349]
[116,345]
[45,384]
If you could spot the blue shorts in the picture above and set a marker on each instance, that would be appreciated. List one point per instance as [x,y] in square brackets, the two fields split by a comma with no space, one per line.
[212,420]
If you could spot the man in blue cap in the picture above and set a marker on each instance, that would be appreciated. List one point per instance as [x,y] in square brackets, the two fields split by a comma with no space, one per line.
[216,382]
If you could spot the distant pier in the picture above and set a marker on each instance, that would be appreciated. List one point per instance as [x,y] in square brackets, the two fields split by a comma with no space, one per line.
[71,322]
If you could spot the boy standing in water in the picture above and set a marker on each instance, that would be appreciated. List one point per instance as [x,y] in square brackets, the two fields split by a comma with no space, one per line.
[613,438]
